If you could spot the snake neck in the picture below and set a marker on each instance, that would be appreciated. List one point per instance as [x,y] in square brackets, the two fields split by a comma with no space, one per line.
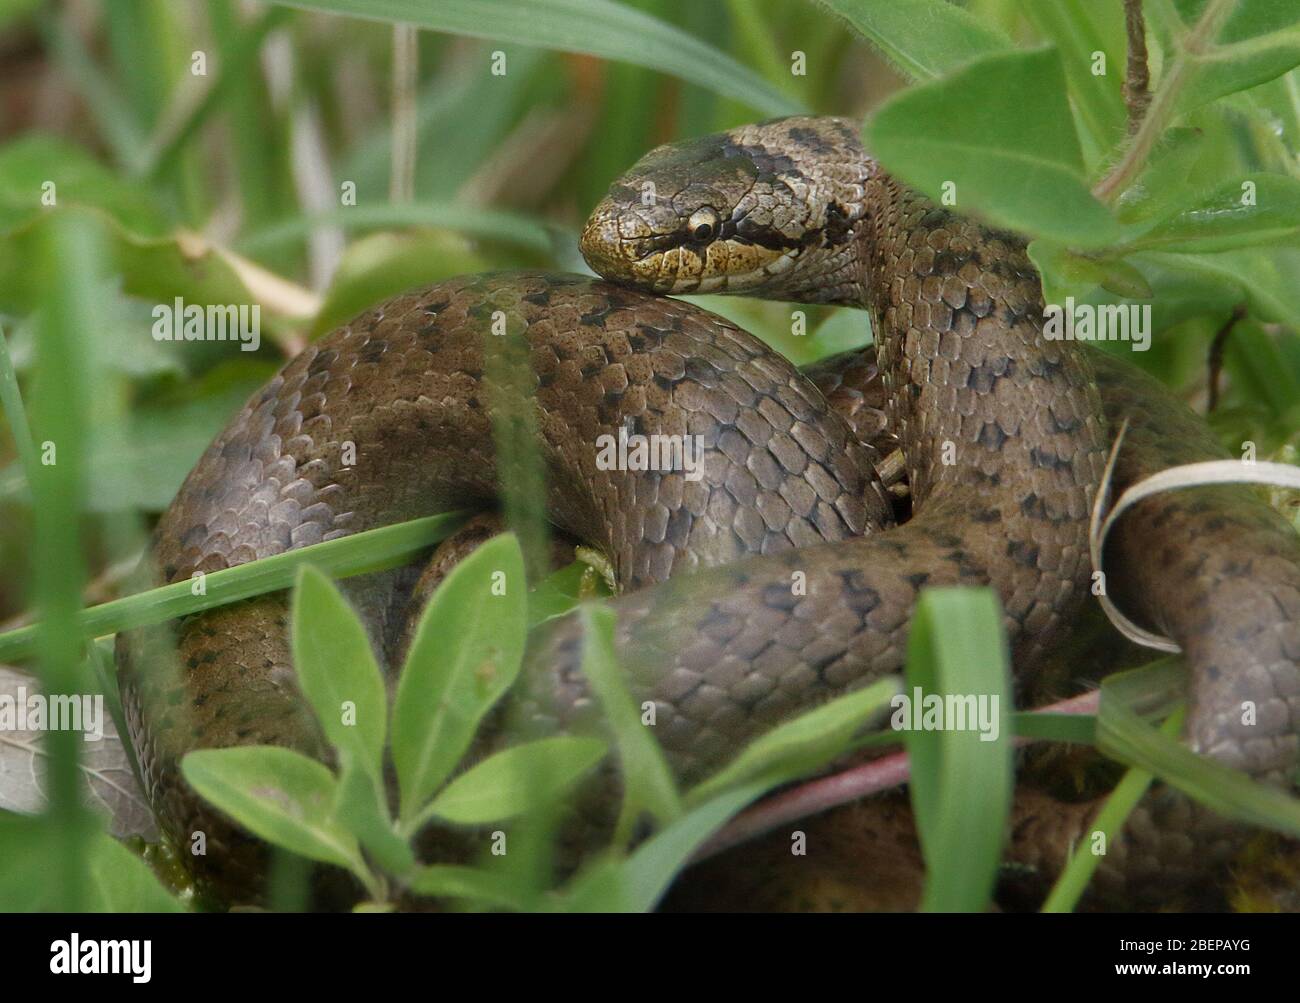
[795,209]
[979,397]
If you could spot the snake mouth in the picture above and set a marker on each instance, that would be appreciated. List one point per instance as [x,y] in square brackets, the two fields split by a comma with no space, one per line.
[623,245]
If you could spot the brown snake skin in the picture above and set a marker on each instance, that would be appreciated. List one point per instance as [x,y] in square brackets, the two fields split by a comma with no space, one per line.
[1003,433]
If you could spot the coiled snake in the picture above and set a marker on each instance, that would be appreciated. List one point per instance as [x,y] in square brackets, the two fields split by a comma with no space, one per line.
[1004,433]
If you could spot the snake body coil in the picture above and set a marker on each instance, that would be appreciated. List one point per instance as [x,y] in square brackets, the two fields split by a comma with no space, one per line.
[1003,432]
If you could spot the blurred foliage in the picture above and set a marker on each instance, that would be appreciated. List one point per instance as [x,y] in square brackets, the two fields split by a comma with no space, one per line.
[231,152]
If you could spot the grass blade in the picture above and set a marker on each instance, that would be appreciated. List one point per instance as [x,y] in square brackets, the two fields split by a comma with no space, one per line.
[796,747]
[961,783]
[72,257]
[595,27]
[1122,735]
[647,780]
[11,400]
[952,35]
[639,882]
[373,550]
[1072,883]
[488,224]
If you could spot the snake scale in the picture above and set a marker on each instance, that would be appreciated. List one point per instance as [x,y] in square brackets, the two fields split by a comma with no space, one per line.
[1003,431]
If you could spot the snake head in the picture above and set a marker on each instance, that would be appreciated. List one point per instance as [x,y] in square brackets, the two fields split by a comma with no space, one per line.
[765,210]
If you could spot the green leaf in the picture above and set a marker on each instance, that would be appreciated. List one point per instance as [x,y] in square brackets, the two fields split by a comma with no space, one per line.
[117,880]
[517,780]
[1079,729]
[1063,272]
[1273,117]
[1168,178]
[1154,691]
[1257,209]
[15,10]
[842,331]
[560,592]
[138,457]
[28,163]
[1265,278]
[595,27]
[381,265]
[1178,295]
[460,100]
[362,809]
[373,550]
[636,884]
[241,49]
[278,794]
[122,882]
[467,651]
[797,747]
[1080,31]
[162,439]
[754,41]
[338,674]
[1015,161]
[1260,370]
[337,671]
[1122,279]
[482,887]
[156,269]
[648,783]
[961,784]
[923,38]
[1259,41]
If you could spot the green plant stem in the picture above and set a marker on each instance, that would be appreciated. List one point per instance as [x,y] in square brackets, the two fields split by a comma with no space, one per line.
[192,107]
[406,73]
[1161,108]
[375,885]
[760,44]
[522,475]
[12,401]
[1072,883]
[113,115]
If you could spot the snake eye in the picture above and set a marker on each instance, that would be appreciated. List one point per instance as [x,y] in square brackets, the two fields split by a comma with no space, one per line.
[703,224]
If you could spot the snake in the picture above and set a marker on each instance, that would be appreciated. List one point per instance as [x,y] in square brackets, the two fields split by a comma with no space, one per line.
[1003,433]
